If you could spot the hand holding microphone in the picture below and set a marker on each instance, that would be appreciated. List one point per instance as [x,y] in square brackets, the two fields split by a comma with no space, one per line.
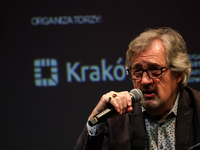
[113,103]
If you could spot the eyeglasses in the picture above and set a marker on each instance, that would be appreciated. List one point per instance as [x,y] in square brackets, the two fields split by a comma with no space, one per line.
[152,72]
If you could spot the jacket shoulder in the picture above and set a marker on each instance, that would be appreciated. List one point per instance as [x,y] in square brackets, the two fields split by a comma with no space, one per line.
[192,95]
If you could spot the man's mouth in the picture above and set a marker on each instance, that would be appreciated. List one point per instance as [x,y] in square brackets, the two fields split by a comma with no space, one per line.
[150,93]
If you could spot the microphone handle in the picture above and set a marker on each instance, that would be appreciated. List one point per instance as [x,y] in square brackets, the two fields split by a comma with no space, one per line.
[102,116]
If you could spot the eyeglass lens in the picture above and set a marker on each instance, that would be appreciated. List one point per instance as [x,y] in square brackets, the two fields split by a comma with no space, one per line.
[136,73]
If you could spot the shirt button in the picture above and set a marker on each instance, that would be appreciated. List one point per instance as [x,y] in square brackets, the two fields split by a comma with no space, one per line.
[161,146]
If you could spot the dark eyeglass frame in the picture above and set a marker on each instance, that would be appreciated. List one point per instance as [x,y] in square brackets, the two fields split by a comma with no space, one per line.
[146,70]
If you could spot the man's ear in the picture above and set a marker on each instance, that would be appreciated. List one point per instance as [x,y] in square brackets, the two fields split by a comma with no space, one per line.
[179,76]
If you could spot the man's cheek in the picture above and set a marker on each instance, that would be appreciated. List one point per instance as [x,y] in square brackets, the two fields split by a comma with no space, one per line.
[136,84]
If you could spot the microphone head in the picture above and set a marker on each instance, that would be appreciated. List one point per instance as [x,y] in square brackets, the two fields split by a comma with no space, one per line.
[136,95]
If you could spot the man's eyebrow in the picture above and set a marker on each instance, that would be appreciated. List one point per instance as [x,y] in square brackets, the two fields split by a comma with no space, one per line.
[153,65]
[148,64]
[136,65]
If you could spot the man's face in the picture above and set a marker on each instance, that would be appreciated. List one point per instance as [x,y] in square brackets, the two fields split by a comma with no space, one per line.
[159,93]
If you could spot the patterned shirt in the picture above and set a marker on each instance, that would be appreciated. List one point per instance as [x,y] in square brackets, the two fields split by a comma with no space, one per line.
[160,135]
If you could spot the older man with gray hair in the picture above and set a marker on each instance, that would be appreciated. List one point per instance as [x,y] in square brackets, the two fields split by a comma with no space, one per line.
[167,117]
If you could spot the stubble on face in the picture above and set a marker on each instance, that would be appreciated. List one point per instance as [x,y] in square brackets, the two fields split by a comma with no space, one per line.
[151,103]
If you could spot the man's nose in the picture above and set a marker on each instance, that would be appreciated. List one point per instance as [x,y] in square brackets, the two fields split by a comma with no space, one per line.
[146,79]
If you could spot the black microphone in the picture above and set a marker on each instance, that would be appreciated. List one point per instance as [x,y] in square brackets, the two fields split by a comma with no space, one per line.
[136,96]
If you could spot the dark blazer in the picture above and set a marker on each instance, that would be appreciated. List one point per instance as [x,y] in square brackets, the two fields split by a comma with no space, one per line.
[127,131]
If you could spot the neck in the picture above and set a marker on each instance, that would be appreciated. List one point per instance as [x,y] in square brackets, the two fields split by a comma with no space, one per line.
[162,111]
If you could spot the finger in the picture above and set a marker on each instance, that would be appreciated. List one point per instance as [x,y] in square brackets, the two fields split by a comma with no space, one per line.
[120,102]
[124,103]
[128,102]
[115,104]
[128,98]
[129,109]
[120,99]
[105,100]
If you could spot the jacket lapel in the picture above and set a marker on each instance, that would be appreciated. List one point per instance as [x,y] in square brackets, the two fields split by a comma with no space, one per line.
[137,128]
[183,123]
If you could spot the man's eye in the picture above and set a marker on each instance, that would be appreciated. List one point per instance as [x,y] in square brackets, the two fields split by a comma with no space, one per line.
[137,70]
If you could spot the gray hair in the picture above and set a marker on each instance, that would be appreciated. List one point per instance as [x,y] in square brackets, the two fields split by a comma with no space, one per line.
[176,50]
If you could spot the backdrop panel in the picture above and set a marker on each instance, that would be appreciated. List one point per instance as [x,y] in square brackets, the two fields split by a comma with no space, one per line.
[59,57]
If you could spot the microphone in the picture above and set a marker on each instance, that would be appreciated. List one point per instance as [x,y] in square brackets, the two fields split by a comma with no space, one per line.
[136,96]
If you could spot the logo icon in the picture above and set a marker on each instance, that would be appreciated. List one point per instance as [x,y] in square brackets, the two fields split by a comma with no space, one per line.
[46,72]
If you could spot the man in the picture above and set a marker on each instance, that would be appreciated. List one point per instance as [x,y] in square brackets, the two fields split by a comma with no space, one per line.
[167,117]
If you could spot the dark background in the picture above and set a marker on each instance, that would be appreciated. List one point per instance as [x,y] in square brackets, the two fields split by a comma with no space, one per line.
[52,117]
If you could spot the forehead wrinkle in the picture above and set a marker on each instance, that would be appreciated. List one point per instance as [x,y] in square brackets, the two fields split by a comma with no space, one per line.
[154,54]
[148,60]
